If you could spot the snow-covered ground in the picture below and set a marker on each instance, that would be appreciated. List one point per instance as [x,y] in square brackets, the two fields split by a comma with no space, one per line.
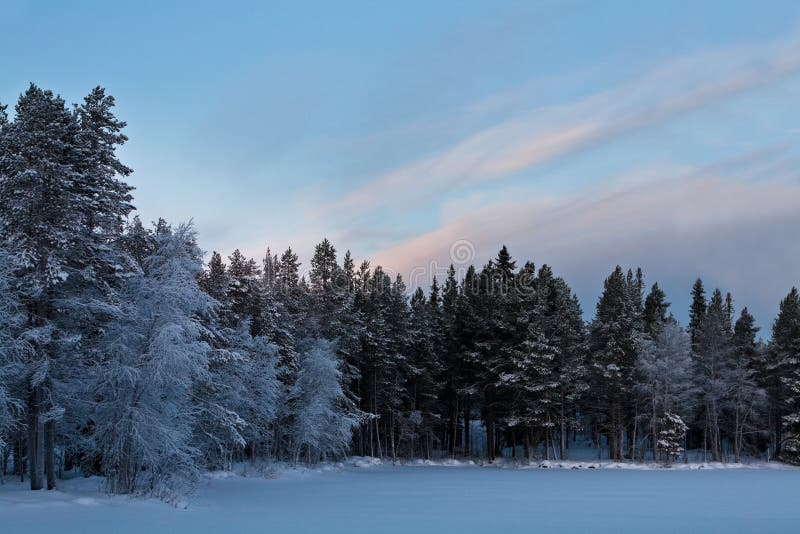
[366,496]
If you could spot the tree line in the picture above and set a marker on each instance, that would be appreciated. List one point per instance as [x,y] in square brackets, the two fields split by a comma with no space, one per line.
[122,354]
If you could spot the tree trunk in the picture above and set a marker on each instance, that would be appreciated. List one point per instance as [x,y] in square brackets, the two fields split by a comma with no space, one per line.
[513,444]
[655,432]
[526,444]
[563,431]
[19,459]
[715,438]
[453,426]
[547,443]
[778,431]
[50,453]
[490,429]
[34,435]
[737,439]
[391,436]
[489,440]
[467,444]
[612,434]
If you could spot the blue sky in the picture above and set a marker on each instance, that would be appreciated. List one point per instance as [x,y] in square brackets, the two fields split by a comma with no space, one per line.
[581,134]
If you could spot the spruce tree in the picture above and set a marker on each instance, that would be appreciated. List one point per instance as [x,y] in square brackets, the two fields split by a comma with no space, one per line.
[62,211]
[288,275]
[325,281]
[714,355]
[243,293]
[697,311]
[420,421]
[614,332]
[746,400]
[655,309]
[784,372]
[100,135]
[348,273]
[671,436]
[455,397]
[498,337]
[467,330]
[214,280]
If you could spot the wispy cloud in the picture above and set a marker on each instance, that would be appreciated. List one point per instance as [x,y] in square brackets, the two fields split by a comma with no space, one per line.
[543,134]
[712,221]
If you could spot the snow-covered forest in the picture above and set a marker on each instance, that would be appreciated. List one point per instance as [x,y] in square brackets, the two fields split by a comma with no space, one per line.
[126,353]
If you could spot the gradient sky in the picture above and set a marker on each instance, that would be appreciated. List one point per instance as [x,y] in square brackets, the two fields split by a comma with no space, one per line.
[580,134]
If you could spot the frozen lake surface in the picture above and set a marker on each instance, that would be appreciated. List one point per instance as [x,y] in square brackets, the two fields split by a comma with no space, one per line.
[432,499]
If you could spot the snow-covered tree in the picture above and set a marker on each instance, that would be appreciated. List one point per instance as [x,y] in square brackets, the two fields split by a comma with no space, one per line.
[671,436]
[153,356]
[12,351]
[746,401]
[655,309]
[287,275]
[62,207]
[665,380]
[421,417]
[785,367]
[238,401]
[697,312]
[39,155]
[214,280]
[322,426]
[614,331]
[713,356]
[242,295]
[571,370]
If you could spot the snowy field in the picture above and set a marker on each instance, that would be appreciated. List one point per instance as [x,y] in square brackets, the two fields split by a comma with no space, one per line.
[439,499]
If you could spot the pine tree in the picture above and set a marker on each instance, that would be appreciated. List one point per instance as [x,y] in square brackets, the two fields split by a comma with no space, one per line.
[455,393]
[62,209]
[697,311]
[571,369]
[467,328]
[784,370]
[215,280]
[100,135]
[498,336]
[746,400]
[243,276]
[348,273]
[613,336]
[326,291]
[381,356]
[714,354]
[269,267]
[524,376]
[287,274]
[137,241]
[419,421]
[323,267]
[655,309]
[40,150]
